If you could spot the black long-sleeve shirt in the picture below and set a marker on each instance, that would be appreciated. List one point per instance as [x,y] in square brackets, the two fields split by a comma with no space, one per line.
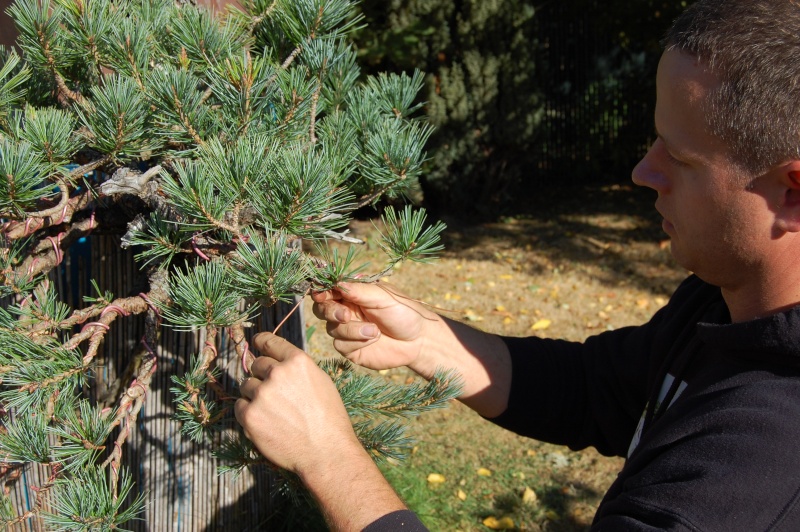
[707,413]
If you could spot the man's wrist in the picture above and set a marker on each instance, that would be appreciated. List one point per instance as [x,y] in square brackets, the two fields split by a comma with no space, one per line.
[429,349]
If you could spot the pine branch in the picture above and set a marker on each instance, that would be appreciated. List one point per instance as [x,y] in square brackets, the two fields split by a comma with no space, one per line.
[41,494]
[129,408]
[88,501]
[49,251]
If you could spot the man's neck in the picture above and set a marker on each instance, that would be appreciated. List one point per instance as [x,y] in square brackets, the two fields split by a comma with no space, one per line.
[764,295]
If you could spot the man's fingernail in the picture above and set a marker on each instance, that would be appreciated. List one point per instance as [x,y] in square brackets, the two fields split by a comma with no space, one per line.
[369,331]
[340,314]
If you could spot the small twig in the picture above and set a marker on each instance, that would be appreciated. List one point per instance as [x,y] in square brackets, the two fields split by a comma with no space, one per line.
[257,20]
[294,308]
[375,195]
[342,236]
[209,352]
[90,167]
[315,101]
[94,331]
[41,492]
[48,253]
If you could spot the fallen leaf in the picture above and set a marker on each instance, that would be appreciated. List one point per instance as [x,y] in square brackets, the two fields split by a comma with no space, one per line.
[551,515]
[506,277]
[483,472]
[541,325]
[500,308]
[461,495]
[508,320]
[531,452]
[436,478]
[504,523]
[529,496]
[471,316]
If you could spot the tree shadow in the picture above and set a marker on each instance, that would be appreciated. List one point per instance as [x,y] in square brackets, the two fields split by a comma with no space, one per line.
[288,513]
[613,228]
[552,511]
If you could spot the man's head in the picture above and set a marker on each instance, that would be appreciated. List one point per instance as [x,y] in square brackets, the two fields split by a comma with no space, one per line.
[753,48]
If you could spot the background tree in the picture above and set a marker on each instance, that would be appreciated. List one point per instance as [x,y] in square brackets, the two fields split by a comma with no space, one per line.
[524,95]
[212,147]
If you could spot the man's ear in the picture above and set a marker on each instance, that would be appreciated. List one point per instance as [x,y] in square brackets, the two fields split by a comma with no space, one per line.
[789,210]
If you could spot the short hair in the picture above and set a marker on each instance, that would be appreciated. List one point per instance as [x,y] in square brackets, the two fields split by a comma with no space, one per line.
[753,47]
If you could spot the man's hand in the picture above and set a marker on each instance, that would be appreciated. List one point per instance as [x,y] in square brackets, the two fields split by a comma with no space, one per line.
[291,411]
[374,325]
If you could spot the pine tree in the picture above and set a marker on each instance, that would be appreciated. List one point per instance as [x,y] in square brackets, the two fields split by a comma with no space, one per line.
[214,145]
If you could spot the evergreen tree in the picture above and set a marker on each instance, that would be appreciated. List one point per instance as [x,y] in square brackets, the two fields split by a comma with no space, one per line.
[213,145]
[482,90]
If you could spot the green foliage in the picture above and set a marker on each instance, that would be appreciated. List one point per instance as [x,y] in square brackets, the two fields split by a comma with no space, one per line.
[213,145]
[200,414]
[481,88]
[22,167]
[407,237]
[265,270]
[82,434]
[523,94]
[201,297]
[86,502]
[12,80]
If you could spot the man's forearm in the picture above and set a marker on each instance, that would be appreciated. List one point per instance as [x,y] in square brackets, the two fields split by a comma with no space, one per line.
[481,359]
[350,490]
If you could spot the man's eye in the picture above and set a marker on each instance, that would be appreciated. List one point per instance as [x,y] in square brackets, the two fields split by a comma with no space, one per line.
[675,161]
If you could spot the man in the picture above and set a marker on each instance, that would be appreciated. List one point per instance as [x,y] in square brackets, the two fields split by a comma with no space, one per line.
[703,400]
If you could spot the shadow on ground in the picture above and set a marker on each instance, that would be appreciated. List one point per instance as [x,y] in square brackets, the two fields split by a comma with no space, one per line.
[612,228]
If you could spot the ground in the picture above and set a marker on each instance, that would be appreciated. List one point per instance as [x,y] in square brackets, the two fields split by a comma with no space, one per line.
[572,263]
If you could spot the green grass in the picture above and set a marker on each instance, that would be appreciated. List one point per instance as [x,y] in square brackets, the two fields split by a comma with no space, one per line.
[456,443]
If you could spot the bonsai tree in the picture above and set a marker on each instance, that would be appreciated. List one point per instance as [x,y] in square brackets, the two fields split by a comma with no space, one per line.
[215,147]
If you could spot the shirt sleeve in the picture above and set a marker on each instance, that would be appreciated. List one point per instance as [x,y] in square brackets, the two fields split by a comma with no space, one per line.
[399,521]
[592,393]
[577,394]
